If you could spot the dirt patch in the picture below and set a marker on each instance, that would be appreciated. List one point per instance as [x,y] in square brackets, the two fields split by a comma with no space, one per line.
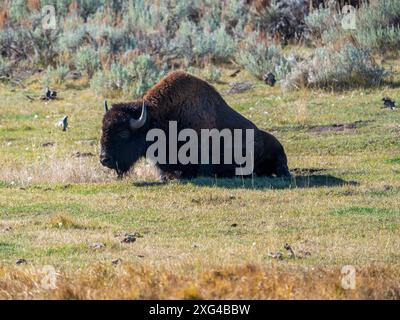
[239,87]
[338,127]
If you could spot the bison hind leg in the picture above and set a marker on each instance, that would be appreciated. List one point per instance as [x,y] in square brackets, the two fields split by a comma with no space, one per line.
[264,169]
[270,168]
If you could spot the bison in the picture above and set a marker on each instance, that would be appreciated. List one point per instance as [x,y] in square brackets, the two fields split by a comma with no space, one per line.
[191,103]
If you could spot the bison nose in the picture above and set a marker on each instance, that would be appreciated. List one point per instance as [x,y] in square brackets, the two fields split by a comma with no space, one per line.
[106,160]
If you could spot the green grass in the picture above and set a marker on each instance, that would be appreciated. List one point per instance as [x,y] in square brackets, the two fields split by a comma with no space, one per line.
[342,204]
[377,212]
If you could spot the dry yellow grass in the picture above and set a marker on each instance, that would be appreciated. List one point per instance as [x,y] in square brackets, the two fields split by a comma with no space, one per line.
[127,281]
[70,170]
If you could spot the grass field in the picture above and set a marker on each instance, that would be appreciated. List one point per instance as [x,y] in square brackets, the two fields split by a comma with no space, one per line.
[206,238]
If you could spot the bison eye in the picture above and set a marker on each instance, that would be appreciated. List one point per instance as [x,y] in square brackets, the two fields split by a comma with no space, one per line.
[124,134]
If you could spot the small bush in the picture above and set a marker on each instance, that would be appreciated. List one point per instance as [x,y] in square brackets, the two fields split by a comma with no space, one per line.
[378,26]
[212,74]
[284,19]
[87,60]
[193,43]
[183,44]
[56,75]
[63,221]
[217,44]
[380,39]
[144,73]
[71,39]
[258,58]
[119,76]
[133,80]
[142,15]
[320,21]
[101,84]
[5,68]
[345,68]
[18,9]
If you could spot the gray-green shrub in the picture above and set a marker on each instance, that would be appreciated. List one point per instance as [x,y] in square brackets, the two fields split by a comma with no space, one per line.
[144,73]
[378,26]
[5,69]
[259,58]
[56,75]
[132,80]
[87,60]
[212,74]
[346,68]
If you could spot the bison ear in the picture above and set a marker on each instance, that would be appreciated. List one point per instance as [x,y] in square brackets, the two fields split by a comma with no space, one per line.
[105,106]
[136,124]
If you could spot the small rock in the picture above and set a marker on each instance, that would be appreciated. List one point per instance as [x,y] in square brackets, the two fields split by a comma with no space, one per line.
[289,248]
[48,144]
[276,255]
[116,262]
[73,75]
[234,225]
[97,246]
[134,234]
[304,254]
[129,238]
[21,261]
[238,87]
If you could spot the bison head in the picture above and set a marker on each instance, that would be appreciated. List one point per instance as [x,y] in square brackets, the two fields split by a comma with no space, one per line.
[123,139]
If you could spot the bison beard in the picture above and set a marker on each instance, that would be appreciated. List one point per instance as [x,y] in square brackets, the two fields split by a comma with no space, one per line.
[192,103]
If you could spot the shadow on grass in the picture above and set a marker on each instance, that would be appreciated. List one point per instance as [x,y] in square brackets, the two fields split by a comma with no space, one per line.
[302,178]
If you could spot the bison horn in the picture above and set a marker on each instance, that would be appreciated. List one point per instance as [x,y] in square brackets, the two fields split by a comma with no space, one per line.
[105,106]
[136,124]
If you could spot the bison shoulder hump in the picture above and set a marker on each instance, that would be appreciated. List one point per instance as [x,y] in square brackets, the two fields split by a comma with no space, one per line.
[178,87]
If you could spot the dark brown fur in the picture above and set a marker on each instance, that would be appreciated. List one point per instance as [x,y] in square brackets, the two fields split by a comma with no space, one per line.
[194,104]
